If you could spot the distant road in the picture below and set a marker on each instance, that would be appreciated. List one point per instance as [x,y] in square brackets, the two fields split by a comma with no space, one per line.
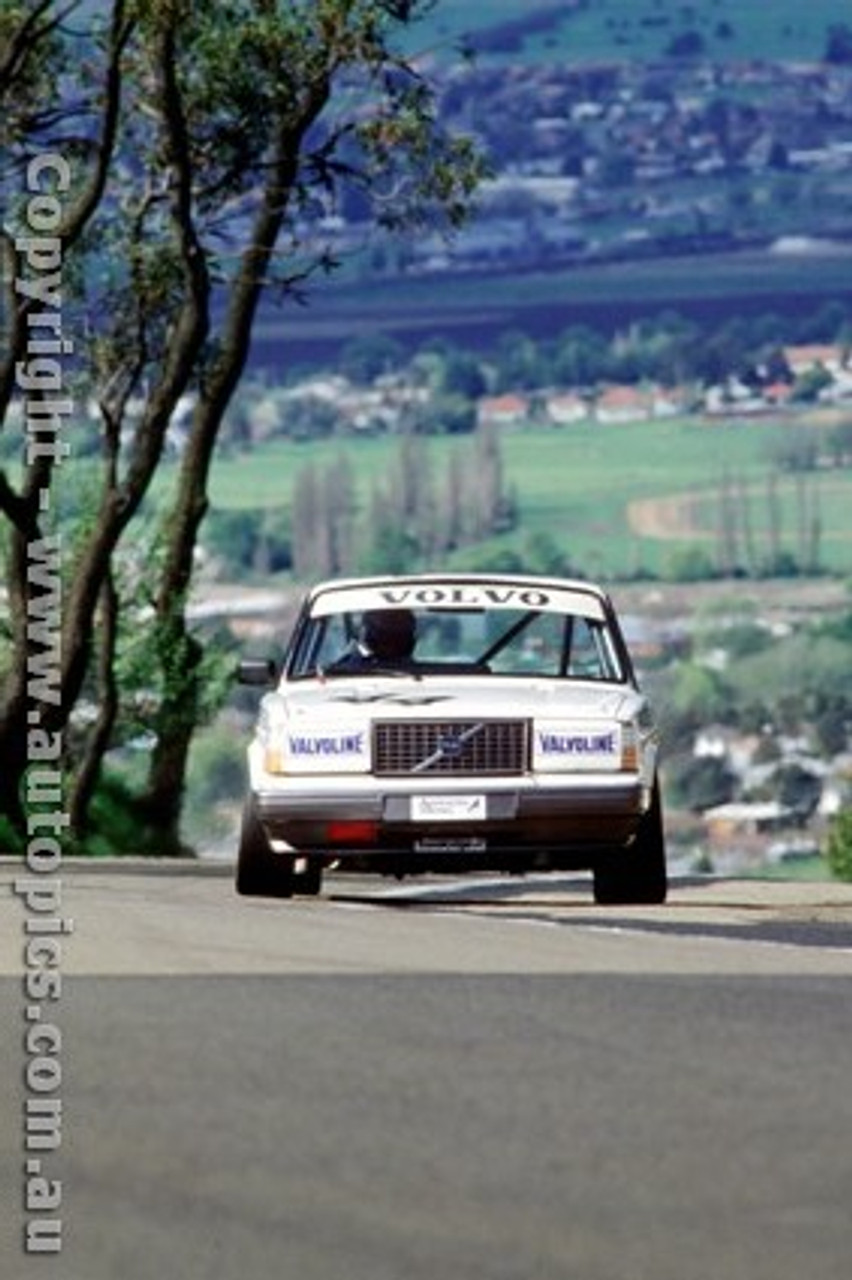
[678,515]
[477,1079]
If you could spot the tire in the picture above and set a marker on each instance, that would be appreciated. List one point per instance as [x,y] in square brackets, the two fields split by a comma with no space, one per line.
[261,873]
[636,876]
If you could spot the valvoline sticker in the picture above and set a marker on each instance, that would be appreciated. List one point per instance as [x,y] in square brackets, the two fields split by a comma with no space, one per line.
[587,746]
[326,749]
[327,744]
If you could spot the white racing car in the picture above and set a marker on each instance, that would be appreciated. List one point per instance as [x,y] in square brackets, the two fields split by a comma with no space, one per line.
[453,723]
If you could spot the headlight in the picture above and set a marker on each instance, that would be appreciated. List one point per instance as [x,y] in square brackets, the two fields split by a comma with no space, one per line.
[274,760]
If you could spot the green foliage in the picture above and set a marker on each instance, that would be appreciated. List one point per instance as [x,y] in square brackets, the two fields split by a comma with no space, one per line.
[810,384]
[699,694]
[367,357]
[838,850]
[831,727]
[688,44]
[463,376]
[11,840]
[390,549]
[115,824]
[231,538]
[452,415]
[581,357]
[699,783]
[838,48]
[791,675]
[151,661]
[29,80]
[493,560]
[689,564]
[215,784]
[839,628]
[542,553]
[248,541]
[740,639]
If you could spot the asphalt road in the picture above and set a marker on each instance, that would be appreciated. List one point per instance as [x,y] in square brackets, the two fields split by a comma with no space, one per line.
[463,1081]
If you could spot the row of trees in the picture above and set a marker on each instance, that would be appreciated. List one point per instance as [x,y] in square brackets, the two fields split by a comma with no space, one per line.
[159,158]
[740,549]
[669,348]
[413,516]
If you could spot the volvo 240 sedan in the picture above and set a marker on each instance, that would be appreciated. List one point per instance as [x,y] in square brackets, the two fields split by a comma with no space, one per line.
[453,723]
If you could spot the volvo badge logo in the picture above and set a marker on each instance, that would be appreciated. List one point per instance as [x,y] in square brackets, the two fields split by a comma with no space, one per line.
[449,746]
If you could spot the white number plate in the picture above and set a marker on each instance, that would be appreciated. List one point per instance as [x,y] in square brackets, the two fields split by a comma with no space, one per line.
[448,808]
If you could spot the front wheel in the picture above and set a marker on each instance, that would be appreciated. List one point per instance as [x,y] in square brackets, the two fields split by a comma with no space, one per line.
[636,876]
[261,873]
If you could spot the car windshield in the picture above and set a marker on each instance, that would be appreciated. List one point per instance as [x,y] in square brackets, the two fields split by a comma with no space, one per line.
[457,641]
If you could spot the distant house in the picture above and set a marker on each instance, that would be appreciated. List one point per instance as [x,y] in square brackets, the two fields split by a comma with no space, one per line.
[331,388]
[622,404]
[668,402]
[837,787]
[777,394]
[802,359]
[502,411]
[719,742]
[841,388]
[733,397]
[834,360]
[727,821]
[565,407]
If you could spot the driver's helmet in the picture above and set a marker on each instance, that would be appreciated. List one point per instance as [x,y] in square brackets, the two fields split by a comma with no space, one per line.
[389,633]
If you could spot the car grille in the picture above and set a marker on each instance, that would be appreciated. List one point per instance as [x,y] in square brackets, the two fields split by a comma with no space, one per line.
[450,747]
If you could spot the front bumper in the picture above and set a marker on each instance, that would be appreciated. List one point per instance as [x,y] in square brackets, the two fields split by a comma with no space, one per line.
[350,817]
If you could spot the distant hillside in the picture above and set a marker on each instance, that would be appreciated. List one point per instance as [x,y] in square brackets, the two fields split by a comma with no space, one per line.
[596,30]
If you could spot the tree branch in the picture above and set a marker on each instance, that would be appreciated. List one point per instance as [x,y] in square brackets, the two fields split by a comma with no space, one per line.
[27,38]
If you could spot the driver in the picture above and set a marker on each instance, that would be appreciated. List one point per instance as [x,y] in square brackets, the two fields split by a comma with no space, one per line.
[389,634]
[386,636]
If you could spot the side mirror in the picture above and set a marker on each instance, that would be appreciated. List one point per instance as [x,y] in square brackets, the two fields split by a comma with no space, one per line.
[256,671]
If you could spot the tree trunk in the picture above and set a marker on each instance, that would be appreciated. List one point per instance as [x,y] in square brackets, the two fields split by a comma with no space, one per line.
[178,713]
[13,735]
[88,773]
[175,724]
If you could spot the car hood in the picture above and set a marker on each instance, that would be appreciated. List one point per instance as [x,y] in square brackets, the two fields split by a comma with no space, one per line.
[370,698]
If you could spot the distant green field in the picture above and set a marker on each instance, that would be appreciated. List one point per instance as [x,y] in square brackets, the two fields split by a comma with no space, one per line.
[641,29]
[577,484]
